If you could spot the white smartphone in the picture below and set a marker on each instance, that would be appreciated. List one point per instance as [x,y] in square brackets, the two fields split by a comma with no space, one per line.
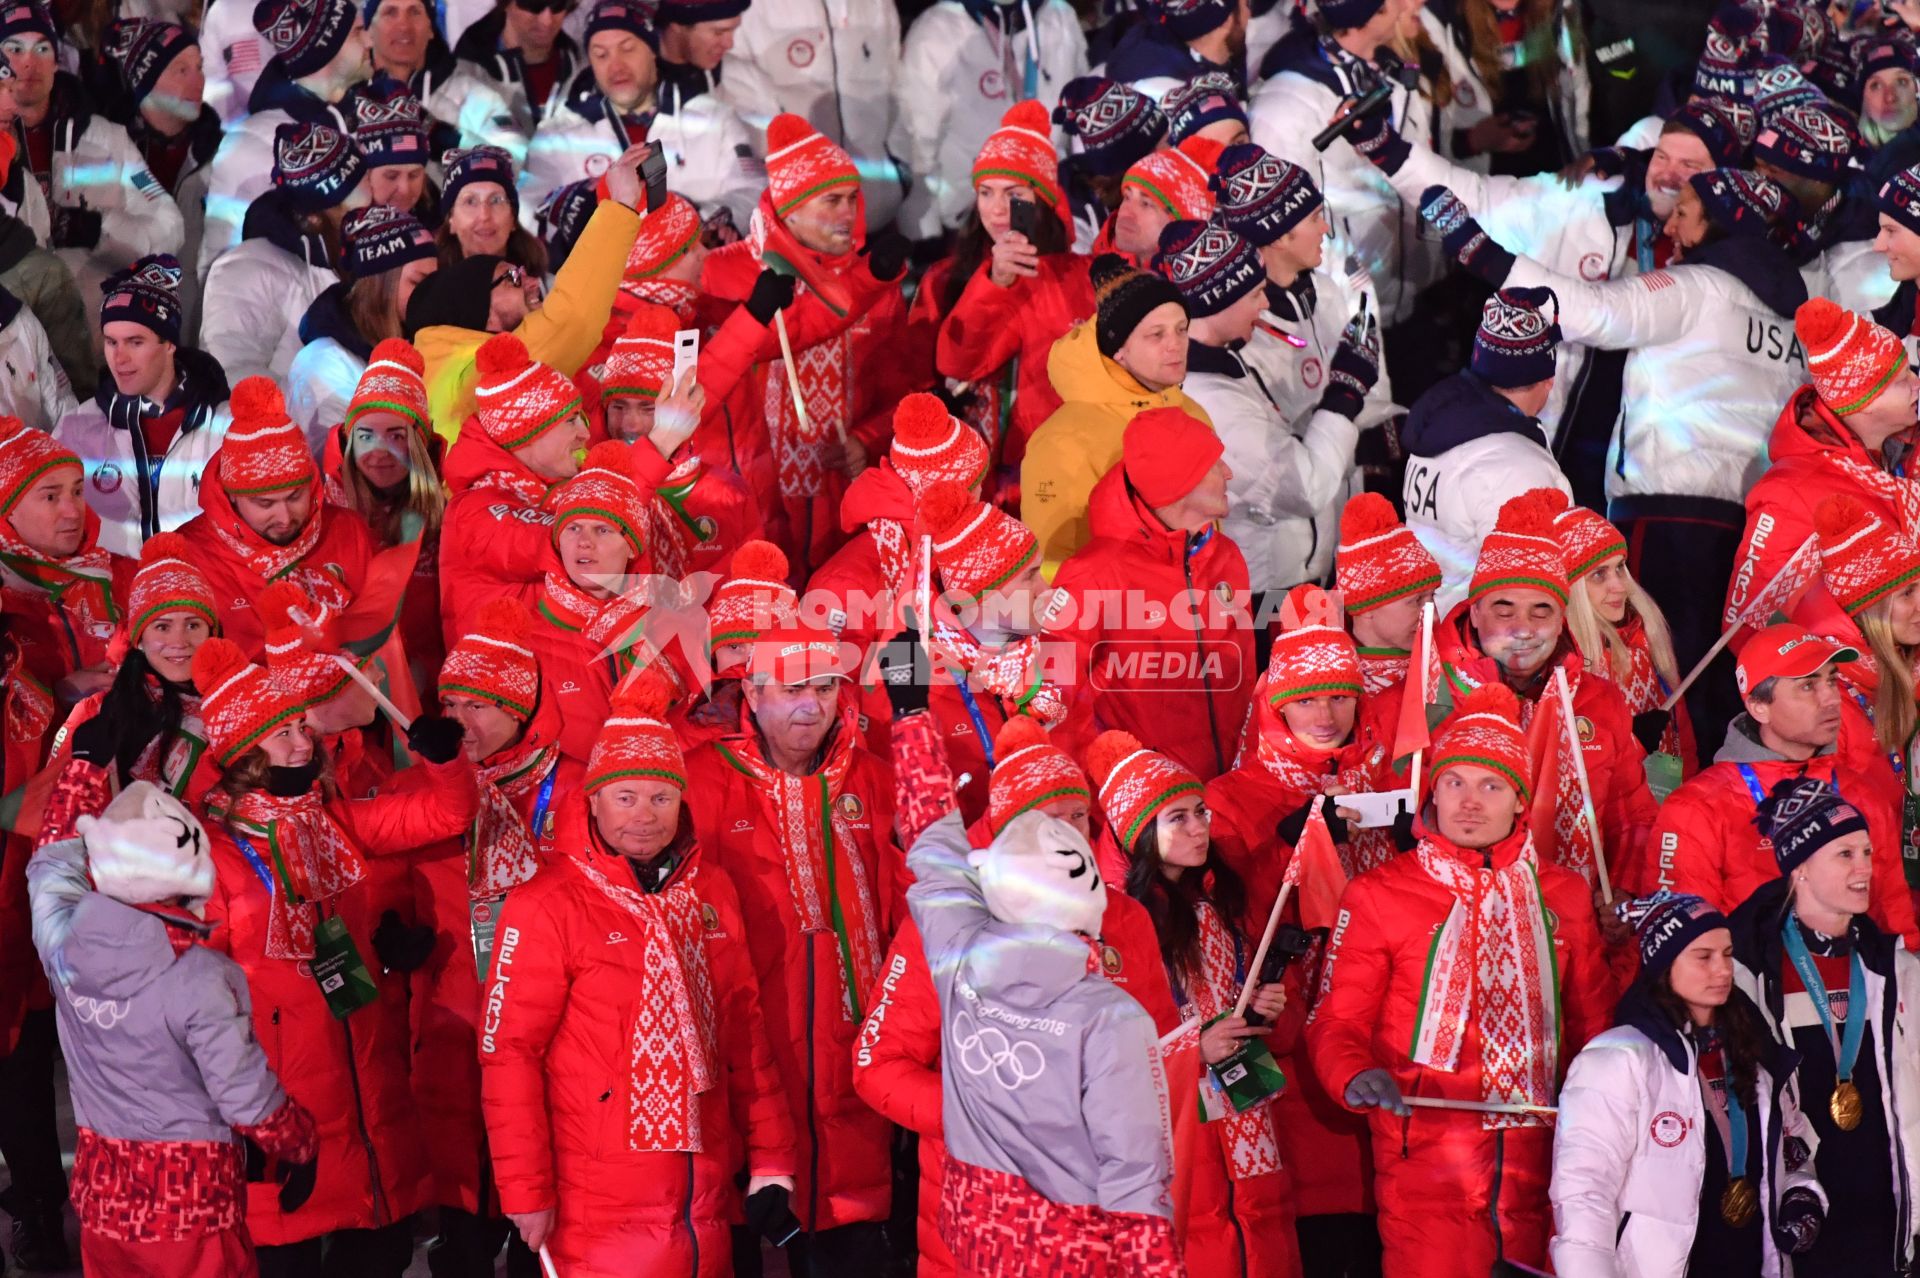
[1376,810]
[686,352]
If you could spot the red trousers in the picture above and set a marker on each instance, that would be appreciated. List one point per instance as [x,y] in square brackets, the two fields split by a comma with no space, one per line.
[227,1254]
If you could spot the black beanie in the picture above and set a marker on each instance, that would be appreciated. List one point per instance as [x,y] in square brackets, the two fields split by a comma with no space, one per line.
[1122,297]
[457,296]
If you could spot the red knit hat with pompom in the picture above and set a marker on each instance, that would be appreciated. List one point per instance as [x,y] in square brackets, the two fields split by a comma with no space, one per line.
[1178,177]
[930,444]
[977,547]
[1315,656]
[754,599]
[1484,732]
[636,743]
[1021,150]
[302,638]
[395,382]
[239,702]
[495,661]
[641,359]
[801,163]
[518,399]
[1864,558]
[1379,559]
[1031,772]
[665,236]
[1523,550]
[1850,358]
[26,454]
[604,488]
[1134,783]
[1587,540]
[167,581]
[263,452]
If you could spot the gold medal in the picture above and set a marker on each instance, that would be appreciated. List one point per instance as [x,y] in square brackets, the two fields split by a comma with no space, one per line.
[1845,1105]
[1738,1203]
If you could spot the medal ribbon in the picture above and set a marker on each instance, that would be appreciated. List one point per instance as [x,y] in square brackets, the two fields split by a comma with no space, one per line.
[1847,1045]
[1729,1116]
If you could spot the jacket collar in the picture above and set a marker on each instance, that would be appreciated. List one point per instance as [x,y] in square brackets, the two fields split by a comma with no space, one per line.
[1219,360]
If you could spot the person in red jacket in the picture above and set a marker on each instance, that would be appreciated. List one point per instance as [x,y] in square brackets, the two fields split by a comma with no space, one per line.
[495,538]
[292,906]
[1232,1194]
[756,598]
[627,1080]
[1386,579]
[1467,970]
[1008,294]
[896,1064]
[1511,629]
[1705,842]
[813,218]
[801,817]
[263,517]
[1185,680]
[1832,436]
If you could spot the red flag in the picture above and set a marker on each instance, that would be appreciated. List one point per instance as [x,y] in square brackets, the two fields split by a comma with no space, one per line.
[1314,870]
[1784,592]
[1411,734]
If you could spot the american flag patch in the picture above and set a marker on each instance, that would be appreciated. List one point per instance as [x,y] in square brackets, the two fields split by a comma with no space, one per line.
[243,57]
[1656,280]
[406,142]
[147,184]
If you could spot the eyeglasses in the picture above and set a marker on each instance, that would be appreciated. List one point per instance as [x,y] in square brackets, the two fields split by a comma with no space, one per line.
[544,6]
[511,274]
[488,202]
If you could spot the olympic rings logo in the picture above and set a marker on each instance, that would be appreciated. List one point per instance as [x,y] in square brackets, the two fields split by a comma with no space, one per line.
[986,1050]
[105,1012]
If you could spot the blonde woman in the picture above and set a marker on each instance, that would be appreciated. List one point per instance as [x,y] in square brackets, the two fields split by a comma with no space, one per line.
[1622,634]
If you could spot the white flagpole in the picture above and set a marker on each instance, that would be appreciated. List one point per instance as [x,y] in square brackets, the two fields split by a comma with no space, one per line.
[1477,1107]
[1807,547]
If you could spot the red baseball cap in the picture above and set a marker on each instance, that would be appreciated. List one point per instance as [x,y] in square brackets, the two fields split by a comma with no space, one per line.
[798,654]
[1786,651]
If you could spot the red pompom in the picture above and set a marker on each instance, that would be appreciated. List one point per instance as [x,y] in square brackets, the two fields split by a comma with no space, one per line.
[944,506]
[610,454]
[394,350]
[1309,605]
[1028,115]
[502,355]
[1367,515]
[280,600]
[1204,152]
[1491,698]
[214,662]
[165,545]
[1106,753]
[653,321]
[786,129]
[257,402]
[759,561]
[504,619]
[646,696]
[1838,516]
[1020,732]
[1821,323]
[1532,512]
[921,421]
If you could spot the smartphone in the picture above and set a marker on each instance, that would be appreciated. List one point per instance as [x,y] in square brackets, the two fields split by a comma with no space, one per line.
[686,353]
[653,173]
[1022,216]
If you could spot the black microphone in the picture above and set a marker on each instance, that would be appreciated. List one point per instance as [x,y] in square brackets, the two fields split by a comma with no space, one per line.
[1392,72]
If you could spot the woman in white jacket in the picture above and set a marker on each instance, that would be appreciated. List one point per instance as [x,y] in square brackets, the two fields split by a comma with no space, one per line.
[1679,1149]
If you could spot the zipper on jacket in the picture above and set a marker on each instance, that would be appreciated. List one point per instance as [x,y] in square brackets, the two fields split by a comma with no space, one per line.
[686,1215]
[366,1137]
[1200,652]
[813,1136]
[1493,1199]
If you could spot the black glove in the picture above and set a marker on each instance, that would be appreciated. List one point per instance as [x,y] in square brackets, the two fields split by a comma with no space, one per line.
[1294,824]
[1797,1221]
[1404,839]
[95,741]
[1373,136]
[1355,368]
[1649,727]
[907,675]
[296,1183]
[772,292]
[399,947]
[887,253]
[1378,447]
[770,1215]
[75,228]
[959,403]
[435,738]
[1443,212]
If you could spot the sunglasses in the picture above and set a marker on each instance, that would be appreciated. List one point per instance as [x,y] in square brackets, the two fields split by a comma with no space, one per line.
[543,6]
[511,274]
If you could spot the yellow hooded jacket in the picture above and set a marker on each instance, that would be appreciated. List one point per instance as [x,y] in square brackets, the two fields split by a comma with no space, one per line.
[1081,441]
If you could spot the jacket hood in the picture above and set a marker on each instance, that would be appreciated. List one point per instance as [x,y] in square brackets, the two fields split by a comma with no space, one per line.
[1807,428]
[1638,1010]
[272,219]
[1762,266]
[327,317]
[474,453]
[113,951]
[1081,374]
[1029,965]
[877,492]
[1115,512]
[1459,410]
[1743,745]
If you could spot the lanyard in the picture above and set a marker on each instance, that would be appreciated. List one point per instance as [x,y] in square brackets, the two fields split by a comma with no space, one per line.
[1847,1049]
[979,720]
[260,867]
[1866,708]
[1752,779]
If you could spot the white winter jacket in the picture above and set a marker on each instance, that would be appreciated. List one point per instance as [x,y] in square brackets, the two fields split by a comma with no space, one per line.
[33,386]
[1709,364]
[232,52]
[241,172]
[957,78]
[1630,1152]
[113,487]
[320,383]
[255,296]
[710,159]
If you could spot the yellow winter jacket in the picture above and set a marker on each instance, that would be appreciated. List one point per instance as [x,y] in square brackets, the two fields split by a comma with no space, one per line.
[561,334]
[1080,442]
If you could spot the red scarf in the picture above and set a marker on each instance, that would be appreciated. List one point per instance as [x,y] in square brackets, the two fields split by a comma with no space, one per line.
[613,626]
[1251,1146]
[500,847]
[79,588]
[1643,687]
[824,372]
[1011,672]
[306,854]
[1381,668]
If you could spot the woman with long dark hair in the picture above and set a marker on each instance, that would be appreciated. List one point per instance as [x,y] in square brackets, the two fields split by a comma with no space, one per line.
[1233,1201]
[1680,1149]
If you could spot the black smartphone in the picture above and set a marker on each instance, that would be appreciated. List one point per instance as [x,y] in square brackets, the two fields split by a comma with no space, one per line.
[1022,216]
[653,172]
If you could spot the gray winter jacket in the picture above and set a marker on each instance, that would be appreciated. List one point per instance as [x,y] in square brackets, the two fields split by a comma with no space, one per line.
[158,1048]
[1047,1072]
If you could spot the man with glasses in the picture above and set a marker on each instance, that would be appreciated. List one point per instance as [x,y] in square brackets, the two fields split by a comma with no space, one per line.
[520,52]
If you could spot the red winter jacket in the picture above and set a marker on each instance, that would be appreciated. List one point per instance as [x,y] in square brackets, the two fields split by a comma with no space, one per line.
[1183,690]
[556,1066]
[844,1172]
[493,542]
[353,1075]
[61,633]
[991,327]
[331,573]
[1808,453]
[1437,1173]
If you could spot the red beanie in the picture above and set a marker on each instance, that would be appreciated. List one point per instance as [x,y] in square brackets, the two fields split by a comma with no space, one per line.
[495,661]
[1134,783]
[1864,560]
[636,744]
[1484,732]
[1587,540]
[1021,150]
[1850,358]
[26,454]
[167,581]
[1031,773]
[641,360]
[302,638]
[395,382]
[239,702]
[1523,550]
[930,444]
[1167,452]
[517,398]
[1316,657]
[1178,178]
[605,489]
[664,237]
[978,547]
[264,452]
[801,163]
[754,599]
[1379,559]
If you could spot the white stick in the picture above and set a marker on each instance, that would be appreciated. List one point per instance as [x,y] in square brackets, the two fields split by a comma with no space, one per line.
[1424,655]
[546,1257]
[1477,1107]
[373,690]
[1726,636]
[925,602]
[1266,940]
[793,377]
[1580,771]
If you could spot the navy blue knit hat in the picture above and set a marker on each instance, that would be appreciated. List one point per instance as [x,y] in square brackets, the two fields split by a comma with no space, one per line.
[1516,341]
[1344,15]
[1191,19]
[316,165]
[140,49]
[1260,197]
[1717,128]
[28,18]
[1899,198]
[1115,124]
[305,34]
[1801,815]
[1740,203]
[1209,98]
[1721,70]
[691,13]
[564,216]
[146,293]
[380,238]
[1808,141]
[1777,85]
[1665,924]
[1886,55]
[473,164]
[389,124]
[1211,266]
[622,15]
